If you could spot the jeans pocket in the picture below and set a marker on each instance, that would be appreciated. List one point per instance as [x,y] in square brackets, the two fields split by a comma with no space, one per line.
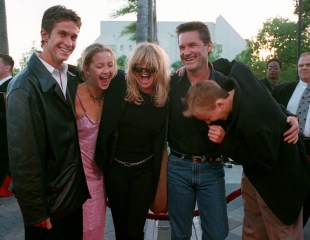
[174,160]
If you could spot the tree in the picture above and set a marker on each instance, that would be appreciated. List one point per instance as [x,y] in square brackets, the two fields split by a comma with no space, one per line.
[131,7]
[155,38]
[305,12]
[131,29]
[4,45]
[277,38]
[142,20]
[176,65]
[215,53]
[121,62]
[26,55]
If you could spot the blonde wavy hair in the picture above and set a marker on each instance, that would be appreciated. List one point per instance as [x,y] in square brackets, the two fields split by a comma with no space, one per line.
[149,55]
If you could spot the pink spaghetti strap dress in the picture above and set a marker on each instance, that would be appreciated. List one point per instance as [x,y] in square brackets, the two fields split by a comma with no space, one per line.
[94,209]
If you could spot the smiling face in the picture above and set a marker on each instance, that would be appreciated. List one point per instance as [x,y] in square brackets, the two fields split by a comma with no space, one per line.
[60,43]
[304,68]
[101,70]
[193,51]
[145,78]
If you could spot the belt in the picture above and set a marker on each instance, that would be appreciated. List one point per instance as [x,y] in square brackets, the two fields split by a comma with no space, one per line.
[196,158]
[130,164]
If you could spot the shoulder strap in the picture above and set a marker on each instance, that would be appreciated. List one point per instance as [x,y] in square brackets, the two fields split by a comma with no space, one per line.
[82,105]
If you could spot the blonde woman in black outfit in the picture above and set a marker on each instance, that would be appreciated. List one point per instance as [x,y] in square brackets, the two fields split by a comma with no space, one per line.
[132,136]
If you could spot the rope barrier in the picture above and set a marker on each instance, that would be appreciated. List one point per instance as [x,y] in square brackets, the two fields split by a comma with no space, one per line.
[165,216]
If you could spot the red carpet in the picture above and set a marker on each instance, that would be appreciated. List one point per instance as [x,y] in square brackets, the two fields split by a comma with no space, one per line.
[4,190]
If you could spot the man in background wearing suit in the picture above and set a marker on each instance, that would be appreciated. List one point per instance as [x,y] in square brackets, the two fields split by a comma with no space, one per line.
[273,70]
[291,94]
[6,67]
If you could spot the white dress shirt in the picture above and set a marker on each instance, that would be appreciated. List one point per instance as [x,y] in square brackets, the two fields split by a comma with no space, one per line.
[59,75]
[292,105]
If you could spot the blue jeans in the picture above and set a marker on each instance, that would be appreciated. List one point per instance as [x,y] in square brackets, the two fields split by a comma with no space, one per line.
[202,182]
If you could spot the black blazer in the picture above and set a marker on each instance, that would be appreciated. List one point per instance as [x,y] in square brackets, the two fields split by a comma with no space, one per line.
[283,92]
[111,114]
[114,106]
[45,158]
[267,83]
[279,171]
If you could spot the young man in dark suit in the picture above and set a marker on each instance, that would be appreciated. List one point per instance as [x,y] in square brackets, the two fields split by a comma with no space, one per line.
[6,68]
[44,153]
[289,94]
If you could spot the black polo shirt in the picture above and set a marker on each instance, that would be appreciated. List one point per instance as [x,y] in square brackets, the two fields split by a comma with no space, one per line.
[188,135]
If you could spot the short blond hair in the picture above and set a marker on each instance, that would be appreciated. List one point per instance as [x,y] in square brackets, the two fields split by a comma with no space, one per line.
[202,95]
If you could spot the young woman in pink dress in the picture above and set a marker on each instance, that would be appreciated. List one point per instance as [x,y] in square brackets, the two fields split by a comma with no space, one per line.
[99,67]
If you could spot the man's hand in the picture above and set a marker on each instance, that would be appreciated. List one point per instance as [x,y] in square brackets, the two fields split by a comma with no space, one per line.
[180,71]
[216,133]
[45,224]
[291,135]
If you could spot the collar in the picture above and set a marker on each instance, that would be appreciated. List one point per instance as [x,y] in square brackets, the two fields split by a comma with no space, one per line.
[5,79]
[51,69]
[303,84]
[184,76]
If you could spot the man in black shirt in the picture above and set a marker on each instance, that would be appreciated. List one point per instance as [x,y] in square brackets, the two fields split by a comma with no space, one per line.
[195,167]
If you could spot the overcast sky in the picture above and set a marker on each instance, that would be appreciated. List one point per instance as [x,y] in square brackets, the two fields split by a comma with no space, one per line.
[245,16]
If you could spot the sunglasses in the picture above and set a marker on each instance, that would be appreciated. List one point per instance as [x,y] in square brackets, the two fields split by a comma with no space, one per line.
[139,69]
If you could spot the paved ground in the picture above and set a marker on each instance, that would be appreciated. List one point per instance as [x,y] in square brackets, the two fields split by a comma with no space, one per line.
[11,226]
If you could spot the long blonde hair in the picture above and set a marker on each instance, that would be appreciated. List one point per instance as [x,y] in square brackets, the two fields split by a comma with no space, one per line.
[152,56]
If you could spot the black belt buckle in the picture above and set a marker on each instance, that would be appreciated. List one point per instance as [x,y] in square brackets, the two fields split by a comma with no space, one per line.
[199,159]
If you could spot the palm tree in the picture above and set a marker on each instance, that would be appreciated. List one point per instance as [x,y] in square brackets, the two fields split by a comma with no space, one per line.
[155,38]
[142,21]
[4,45]
[150,26]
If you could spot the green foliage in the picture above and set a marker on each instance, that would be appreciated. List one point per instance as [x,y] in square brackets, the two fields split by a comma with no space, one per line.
[131,7]
[26,55]
[176,65]
[121,62]
[130,30]
[277,38]
[215,53]
[305,11]
[15,71]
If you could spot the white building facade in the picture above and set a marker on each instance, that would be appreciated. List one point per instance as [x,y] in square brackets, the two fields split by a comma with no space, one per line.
[222,34]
